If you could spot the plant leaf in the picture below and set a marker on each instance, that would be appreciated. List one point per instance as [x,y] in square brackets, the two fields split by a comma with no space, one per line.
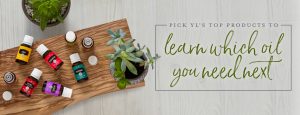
[43,23]
[118,74]
[122,47]
[110,56]
[118,64]
[131,57]
[112,65]
[60,19]
[131,49]
[110,42]
[123,66]
[122,84]
[139,53]
[130,67]
[146,65]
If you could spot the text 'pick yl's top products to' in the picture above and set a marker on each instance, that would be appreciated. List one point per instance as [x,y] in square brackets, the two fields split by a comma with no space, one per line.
[9,77]
[24,51]
[50,57]
[78,68]
[31,82]
[56,89]
[70,38]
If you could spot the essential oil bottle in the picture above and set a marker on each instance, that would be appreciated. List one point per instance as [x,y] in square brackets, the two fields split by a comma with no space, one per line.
[78,68]
[31,82]
[50,57]
[56,89]
[24,51]
[70,38]
[87,42]
[9,77]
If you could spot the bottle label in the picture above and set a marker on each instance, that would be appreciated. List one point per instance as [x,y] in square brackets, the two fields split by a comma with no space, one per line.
[23,53]
[52,60]
[29,86]
[80,72]
[53,88]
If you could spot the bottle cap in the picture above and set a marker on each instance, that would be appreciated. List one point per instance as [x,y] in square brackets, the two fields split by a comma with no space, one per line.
[67,92]
[28,40]
[93,60]
[87,42]
[41,49]
[70,36]
[36,73]
[7,95]
[9,77]
[74,58]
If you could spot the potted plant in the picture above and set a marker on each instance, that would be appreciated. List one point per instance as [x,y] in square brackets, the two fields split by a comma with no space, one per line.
[129,63]
[46,13]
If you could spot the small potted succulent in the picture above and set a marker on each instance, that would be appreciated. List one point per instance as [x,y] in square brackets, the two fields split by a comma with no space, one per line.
[46,13]
[129,64]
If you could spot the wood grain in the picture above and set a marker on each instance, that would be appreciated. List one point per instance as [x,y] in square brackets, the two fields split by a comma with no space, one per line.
[100,80]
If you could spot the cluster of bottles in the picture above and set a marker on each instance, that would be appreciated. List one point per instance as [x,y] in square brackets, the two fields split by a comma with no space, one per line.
[49,87]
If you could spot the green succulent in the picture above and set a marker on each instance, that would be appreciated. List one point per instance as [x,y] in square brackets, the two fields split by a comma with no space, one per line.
[46,10]
[126,53]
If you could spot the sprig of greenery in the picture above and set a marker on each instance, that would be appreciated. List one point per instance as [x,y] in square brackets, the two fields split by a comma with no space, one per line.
[126,53]
[46,10]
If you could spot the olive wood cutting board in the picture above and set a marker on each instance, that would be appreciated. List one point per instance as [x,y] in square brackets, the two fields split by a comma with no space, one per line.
[100,79]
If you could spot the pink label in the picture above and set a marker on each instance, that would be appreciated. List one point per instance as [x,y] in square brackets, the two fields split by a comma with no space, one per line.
[53,60]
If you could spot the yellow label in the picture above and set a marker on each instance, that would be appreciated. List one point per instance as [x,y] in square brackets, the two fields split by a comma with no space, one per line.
[23,53]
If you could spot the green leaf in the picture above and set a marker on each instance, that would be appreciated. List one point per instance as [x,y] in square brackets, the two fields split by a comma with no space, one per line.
[122,84]
[131,49]
[118,74]
[43,23]
[117,49]
[118,62]
[130,67]
[110,32]
[148,52]
[133,58]
[110,42]
[122,47]
[139,53]
[110,56]
[112,65]
[123,66]
[146,65]
[60,19]
[130,41]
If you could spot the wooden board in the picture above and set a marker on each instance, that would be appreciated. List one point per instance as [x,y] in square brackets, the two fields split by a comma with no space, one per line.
[100,79]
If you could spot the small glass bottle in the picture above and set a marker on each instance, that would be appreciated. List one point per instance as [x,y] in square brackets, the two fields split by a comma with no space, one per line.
[87,42]
[70,38]
[78,68]
[50,57]
[9,77]
[31,82]
[56,89]
[24,51]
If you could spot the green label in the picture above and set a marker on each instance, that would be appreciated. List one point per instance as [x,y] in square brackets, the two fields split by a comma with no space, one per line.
[80,72]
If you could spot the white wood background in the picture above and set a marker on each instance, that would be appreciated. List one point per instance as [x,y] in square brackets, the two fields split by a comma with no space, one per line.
[142,15]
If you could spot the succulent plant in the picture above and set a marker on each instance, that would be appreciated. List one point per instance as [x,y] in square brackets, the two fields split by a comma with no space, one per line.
[47,10]
[126,53]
